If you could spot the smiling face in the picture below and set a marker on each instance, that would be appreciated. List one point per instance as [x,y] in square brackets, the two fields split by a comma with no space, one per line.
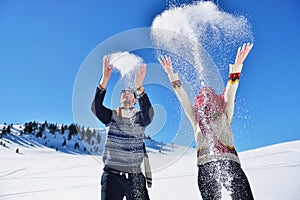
[127,98]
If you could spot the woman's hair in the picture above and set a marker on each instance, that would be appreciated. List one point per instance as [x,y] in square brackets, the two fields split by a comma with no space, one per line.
[208,103]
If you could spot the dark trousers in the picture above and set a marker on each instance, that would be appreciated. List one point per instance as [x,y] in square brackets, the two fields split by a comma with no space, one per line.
[211,177]
[115,186]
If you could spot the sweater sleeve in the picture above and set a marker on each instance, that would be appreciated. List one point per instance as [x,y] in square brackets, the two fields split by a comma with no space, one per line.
[146,109]
[231,88]
[100,111]
[182,97]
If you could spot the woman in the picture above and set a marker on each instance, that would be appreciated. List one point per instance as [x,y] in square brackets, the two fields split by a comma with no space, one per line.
[211,117]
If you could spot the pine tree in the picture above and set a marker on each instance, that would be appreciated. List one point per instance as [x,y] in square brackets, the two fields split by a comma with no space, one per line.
[76,145]
[8,129]
[94,133]
[28,127]
[64,143]
[82,133]
[52,128]
[3,130]
[70,135]
[98,138]
[72,131]
[34,125]
[62,129]
[88,135]
[40,133]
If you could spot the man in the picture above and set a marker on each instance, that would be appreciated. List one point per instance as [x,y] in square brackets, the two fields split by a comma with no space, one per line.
[124,147]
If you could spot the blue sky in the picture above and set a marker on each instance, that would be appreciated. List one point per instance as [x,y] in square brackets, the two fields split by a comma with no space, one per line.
[44,43]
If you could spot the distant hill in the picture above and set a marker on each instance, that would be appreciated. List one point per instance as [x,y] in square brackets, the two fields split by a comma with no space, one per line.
[64,138]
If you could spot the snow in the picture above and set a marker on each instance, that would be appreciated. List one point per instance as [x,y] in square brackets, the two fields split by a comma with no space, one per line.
[38,172]
[205,36]
[125,61]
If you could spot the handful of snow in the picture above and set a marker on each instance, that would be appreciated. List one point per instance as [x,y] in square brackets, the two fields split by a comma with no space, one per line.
[125,61]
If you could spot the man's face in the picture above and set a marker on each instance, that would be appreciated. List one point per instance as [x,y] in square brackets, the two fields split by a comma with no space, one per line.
[127,97]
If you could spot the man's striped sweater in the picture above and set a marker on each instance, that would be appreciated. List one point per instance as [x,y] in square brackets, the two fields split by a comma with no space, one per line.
[123,150]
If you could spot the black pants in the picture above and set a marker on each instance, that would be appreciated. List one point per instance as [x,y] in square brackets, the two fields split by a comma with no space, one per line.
[115,186]
[211,177]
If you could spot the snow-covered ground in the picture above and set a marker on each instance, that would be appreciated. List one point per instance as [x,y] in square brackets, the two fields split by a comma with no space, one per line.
[39,172]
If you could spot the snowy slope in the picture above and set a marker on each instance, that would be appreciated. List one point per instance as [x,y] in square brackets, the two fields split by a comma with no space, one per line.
[39,172]
[55,139]
[274,171]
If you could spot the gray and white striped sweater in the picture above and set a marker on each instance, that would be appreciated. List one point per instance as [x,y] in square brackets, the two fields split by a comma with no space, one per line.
[123,150]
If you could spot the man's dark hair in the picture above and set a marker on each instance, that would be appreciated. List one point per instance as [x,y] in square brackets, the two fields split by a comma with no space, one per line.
[129,89]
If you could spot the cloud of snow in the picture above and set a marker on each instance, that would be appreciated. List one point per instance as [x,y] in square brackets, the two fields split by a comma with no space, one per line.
[202,34]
